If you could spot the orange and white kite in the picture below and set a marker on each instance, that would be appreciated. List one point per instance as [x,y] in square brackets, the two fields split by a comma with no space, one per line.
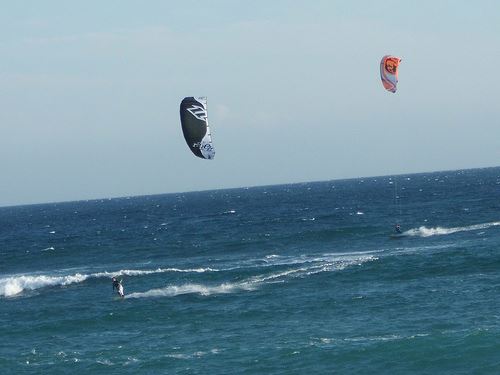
[389,72]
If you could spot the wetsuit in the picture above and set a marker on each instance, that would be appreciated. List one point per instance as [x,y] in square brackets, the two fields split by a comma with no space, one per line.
[119,287]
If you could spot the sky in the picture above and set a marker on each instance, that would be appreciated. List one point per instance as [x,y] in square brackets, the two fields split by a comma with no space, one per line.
[90,93]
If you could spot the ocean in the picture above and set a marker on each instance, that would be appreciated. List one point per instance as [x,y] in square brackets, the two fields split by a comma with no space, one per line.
[289,279]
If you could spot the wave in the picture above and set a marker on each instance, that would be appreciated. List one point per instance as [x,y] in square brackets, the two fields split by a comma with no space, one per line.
[439,231]
[325,258]
[334,263]
[323,341]
[14,285]
[418,249]
[149,272]
[296,266]
[204,290]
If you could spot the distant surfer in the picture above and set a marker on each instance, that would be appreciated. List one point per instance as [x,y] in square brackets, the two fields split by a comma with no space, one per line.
[117,284]
[398,229]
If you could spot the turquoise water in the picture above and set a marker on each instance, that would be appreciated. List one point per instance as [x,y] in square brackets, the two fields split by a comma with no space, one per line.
[282,279]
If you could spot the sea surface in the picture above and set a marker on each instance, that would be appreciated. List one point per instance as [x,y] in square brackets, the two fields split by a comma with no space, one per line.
[290,279]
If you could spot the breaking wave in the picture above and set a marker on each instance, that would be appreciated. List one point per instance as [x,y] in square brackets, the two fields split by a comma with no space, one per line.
[14,285]
[204,290]
[438,231]
[326,263]
[11,286]
[296,267]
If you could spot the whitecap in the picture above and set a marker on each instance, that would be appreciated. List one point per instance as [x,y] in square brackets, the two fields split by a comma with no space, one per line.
[14,285]
[373,338]
[178,356]
[11,286]
[272,256]
[130,360]
[105,362]
[427,232]
[204,290]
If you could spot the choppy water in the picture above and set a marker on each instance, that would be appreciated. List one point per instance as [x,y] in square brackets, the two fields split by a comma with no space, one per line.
[270,280]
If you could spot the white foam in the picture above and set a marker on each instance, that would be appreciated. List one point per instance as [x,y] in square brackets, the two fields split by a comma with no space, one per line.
[334,263]
[204,290]
[323,258]
[279,275]
[149,272]
[11,286]
[297,266]
[411,250]
[130,360]
[105,362]
[308,266]
[364,339]
[272,256]
[373,338]
[437,231]
[14,285]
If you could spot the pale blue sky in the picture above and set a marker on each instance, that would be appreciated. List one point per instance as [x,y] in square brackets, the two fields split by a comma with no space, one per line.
[90,90]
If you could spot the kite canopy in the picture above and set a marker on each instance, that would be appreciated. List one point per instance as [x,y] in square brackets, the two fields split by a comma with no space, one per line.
[389,72]
[195,127]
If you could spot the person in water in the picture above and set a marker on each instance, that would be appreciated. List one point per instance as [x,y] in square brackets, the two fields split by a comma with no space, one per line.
[398,229]
[118,286]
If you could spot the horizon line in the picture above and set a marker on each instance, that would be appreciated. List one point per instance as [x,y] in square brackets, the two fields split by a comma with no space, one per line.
[239,187]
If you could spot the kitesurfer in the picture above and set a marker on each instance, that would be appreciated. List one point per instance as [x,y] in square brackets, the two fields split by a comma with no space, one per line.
[118,286]
[398,229]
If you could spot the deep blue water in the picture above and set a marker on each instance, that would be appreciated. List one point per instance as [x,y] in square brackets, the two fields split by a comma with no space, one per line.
[282,279]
